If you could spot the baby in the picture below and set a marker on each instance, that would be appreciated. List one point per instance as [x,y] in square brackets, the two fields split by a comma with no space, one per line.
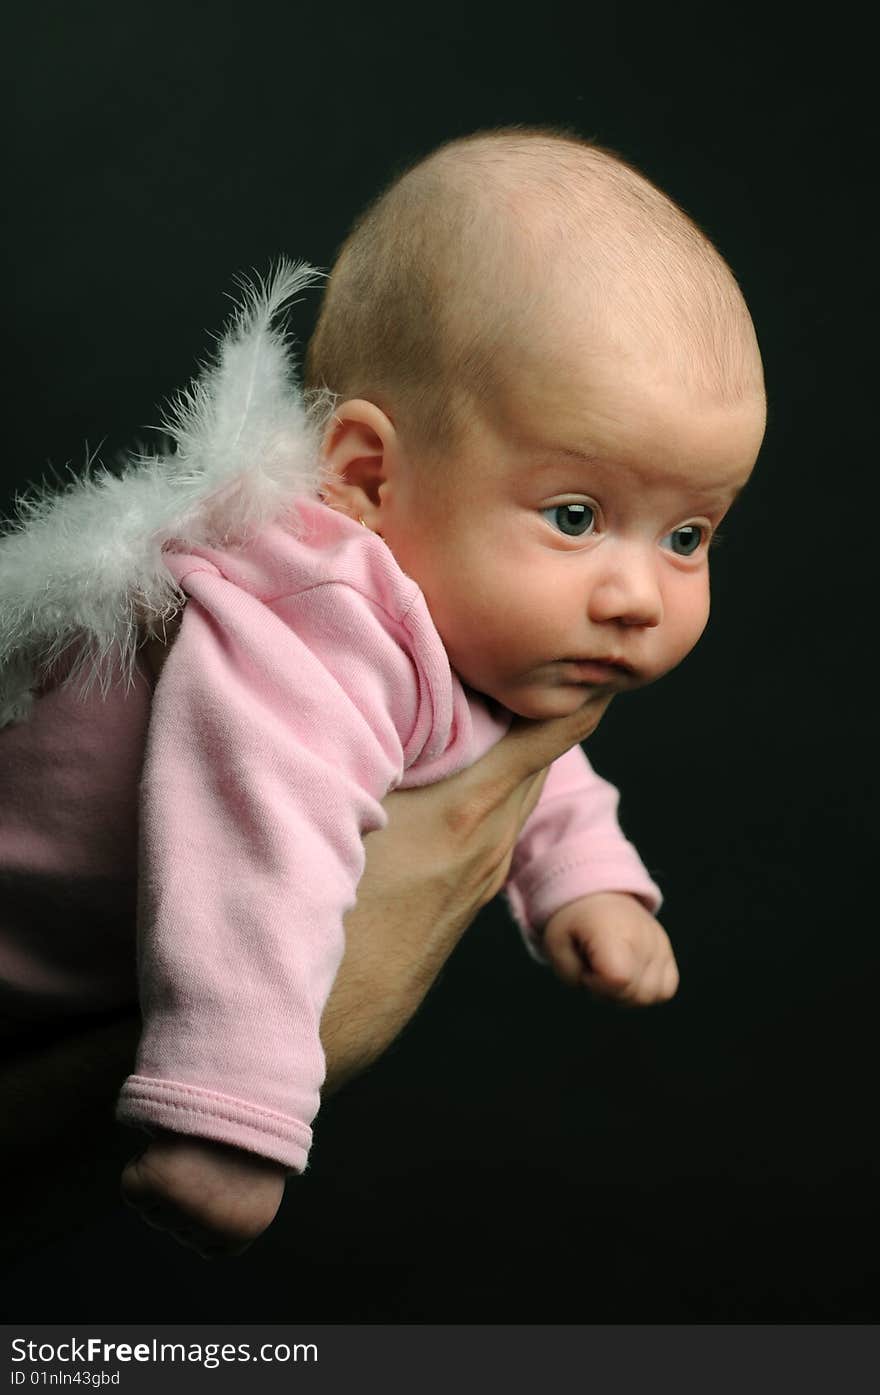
[539,392]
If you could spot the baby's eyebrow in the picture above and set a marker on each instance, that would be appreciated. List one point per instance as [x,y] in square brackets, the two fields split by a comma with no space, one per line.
[718,497]
[559,454]
[595,460]
[585,457]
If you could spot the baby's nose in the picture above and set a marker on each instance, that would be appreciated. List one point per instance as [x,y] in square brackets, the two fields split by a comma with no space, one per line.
[627,590]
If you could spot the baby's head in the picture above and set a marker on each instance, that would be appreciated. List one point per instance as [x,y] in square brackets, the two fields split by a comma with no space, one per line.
[546,394]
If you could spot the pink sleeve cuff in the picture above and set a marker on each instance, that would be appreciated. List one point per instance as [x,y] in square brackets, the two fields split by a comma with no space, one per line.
[167,1104]
[577,872]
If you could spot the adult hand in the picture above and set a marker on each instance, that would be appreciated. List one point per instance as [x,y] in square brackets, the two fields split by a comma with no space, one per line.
[444,853]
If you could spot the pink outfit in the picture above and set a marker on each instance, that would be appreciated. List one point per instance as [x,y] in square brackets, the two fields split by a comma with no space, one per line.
[306,682]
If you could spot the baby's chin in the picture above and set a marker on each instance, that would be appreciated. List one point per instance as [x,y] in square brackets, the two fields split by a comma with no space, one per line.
[540,704]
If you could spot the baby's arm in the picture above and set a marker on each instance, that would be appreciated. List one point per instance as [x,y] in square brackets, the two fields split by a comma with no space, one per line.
[571,847]
[581,893]
[262,774]
[264,769]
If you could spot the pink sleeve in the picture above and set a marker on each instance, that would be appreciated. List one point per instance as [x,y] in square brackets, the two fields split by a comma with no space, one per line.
[572,846]
[263,771]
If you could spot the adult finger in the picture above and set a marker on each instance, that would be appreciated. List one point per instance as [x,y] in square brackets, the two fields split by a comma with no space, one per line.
[530,793]
[530,747]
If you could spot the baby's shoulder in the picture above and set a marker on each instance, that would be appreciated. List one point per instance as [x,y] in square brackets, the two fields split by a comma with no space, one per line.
[311,549]
[343,602]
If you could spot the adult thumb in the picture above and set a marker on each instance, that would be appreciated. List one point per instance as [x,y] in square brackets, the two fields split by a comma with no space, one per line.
[531,746]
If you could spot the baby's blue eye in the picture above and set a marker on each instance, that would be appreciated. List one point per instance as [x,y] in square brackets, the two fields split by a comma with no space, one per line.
[574,520]
[685,541]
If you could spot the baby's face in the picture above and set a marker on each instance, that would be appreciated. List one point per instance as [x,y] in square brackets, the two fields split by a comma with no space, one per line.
[566,548]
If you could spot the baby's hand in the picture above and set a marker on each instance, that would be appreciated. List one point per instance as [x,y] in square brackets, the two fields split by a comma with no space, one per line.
[611,945]
[212,1198]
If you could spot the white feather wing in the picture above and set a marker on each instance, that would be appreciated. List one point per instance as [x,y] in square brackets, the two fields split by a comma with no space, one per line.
[82,569]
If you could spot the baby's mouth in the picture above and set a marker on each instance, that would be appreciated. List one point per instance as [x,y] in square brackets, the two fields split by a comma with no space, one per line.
[596,671]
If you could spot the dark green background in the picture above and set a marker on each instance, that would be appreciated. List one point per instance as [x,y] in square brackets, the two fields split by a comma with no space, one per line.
[521,1154]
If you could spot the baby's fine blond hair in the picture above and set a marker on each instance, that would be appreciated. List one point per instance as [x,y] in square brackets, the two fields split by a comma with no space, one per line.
[484,245]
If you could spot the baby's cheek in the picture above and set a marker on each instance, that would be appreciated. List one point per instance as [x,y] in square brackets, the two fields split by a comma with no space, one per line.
[685,619]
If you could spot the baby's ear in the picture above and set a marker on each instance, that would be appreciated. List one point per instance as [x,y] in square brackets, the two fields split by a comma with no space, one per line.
[355,453]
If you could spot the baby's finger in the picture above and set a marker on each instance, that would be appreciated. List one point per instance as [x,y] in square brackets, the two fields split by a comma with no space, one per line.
[658,980]
[568,962]
[671,980]
[611,969]
[661,973]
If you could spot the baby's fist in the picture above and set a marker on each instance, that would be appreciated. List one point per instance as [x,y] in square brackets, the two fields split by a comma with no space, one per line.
[611,945]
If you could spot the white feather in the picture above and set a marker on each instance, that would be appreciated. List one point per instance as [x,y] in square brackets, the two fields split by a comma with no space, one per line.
[82,575]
